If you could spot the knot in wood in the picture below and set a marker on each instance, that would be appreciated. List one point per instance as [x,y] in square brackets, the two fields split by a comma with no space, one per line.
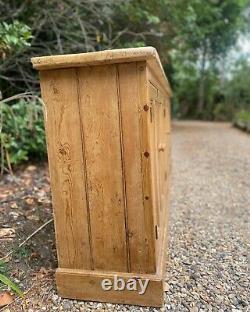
[64,152]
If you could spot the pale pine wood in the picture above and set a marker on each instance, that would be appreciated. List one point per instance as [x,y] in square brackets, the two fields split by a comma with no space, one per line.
[162,158]
[148,54]
[152,96]
[163,252]
[160,151]
[108,133]
[60,95]
[161,128]
[138,236]
[144,121]
[152,91]
[153,79]
[86,285]
[100,125]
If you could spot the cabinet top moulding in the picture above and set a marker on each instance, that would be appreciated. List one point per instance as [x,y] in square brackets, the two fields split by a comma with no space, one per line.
[148,54]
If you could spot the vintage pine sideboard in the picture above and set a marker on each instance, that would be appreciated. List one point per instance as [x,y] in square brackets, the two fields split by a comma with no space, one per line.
[107,118]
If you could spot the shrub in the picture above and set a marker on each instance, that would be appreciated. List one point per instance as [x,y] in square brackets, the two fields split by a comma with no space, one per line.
[13,36]
[223,112]
[242,120]
[22,133]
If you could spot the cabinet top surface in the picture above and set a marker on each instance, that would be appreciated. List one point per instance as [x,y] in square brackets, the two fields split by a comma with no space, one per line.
[148,54]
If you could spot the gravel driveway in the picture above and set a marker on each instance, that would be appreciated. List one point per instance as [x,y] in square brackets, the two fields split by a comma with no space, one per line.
[209,220]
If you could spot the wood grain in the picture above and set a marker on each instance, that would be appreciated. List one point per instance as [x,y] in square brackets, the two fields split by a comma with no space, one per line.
[160,137]
[138,235]
[152,96]
[102,149]
[59,91]
[146,154]
[87,285]
[148,54]
[108,136]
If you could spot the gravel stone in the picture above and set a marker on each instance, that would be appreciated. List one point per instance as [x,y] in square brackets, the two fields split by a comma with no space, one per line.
[67,305]
[210,202]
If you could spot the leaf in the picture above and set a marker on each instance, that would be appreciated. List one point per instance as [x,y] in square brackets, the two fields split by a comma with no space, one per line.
[29,201]
[7,233]
[3,267]
[5,298]
[10,284]
[14,206]
[33,218]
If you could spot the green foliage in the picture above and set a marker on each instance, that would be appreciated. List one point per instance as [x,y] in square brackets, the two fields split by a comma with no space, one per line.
[138,11]
[94,25]
[3,268]
[223,112]
[136,23]
[4,280]
[209,25]
[13,36]
[22,252]
[242,120]
[237,90]
[57,27]
[203,37]
[22,135]
[192,37]
[243,116]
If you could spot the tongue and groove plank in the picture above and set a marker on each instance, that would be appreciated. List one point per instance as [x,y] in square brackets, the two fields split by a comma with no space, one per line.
[99,112]
[146,161]
[60,94]
[141,259]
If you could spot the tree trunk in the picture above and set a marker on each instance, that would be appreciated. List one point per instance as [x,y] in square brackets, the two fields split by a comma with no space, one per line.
[201,90]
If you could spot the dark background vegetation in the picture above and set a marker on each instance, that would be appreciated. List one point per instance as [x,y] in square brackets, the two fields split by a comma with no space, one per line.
[196,40]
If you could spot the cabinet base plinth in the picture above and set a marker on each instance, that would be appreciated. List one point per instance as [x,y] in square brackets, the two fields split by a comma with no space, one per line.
[88,285]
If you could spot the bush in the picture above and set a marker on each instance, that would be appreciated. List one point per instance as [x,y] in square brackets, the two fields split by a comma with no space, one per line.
[22,135]
[242,120]
[13,36]
[223,112]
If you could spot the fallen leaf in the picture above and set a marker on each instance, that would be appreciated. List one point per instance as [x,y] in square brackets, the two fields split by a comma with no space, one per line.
[33,218]
[29,201]
[31,168]
[5,298]
[42,273]
[7,233]
[14,206]
[35,255]
[4,194]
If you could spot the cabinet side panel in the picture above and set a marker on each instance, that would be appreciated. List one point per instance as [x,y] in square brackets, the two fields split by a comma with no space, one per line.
[162,122]
[100,127]
[152,95]
[166,184]
[146,152]
[59,92]
[138,234]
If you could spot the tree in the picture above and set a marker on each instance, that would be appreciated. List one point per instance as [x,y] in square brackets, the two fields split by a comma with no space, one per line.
[207,31]
[237,91]
[73,26]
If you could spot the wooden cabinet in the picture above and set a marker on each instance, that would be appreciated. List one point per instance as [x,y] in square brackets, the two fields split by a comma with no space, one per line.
[108,136]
